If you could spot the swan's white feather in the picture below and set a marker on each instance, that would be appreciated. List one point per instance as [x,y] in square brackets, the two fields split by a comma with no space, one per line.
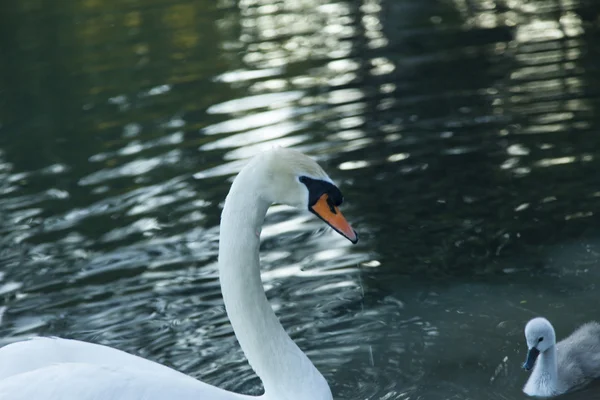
[78,381]
[41,352]
[580,351]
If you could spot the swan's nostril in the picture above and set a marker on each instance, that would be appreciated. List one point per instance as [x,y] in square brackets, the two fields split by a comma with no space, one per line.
[331,205]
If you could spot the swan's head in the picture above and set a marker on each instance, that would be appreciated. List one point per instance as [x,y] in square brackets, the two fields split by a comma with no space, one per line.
[540,336]
[289,177]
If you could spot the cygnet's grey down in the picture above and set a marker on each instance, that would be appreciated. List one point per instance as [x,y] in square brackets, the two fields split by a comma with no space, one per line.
[570,364]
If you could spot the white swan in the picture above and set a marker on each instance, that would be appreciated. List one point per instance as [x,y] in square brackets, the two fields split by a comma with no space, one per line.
[571,363]
[53,369]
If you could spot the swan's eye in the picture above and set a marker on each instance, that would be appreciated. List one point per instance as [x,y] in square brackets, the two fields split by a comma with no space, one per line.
[540,339]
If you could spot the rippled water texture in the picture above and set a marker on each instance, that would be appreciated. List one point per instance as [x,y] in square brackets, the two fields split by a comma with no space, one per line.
[464,135]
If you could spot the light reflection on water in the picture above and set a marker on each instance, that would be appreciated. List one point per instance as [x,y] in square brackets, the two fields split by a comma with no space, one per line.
[462,134]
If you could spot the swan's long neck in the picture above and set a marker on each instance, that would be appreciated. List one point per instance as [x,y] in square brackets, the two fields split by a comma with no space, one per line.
[545,373]
[275,358]
[548,364]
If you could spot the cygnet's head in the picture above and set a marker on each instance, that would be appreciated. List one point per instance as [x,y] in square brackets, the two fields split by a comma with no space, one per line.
[540,336]
[289,177]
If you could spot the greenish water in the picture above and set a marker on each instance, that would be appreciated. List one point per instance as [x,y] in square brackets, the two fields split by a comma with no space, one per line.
[464,136]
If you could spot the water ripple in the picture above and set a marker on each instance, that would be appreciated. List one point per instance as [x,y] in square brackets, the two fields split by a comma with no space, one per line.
[461,133]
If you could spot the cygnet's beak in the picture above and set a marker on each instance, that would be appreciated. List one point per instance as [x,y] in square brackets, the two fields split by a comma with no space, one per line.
[532,355]
[329,213]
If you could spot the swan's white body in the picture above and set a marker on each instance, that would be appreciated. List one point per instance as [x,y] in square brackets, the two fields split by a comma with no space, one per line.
[54,368]
[563,366]
[61,369]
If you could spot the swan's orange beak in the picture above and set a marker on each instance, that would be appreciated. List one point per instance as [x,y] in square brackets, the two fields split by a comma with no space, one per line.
[329,213]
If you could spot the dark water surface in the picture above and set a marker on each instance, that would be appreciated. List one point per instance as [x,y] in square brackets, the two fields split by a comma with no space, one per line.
[464,135]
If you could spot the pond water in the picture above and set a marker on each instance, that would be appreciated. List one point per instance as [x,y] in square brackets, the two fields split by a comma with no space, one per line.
[464,135]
